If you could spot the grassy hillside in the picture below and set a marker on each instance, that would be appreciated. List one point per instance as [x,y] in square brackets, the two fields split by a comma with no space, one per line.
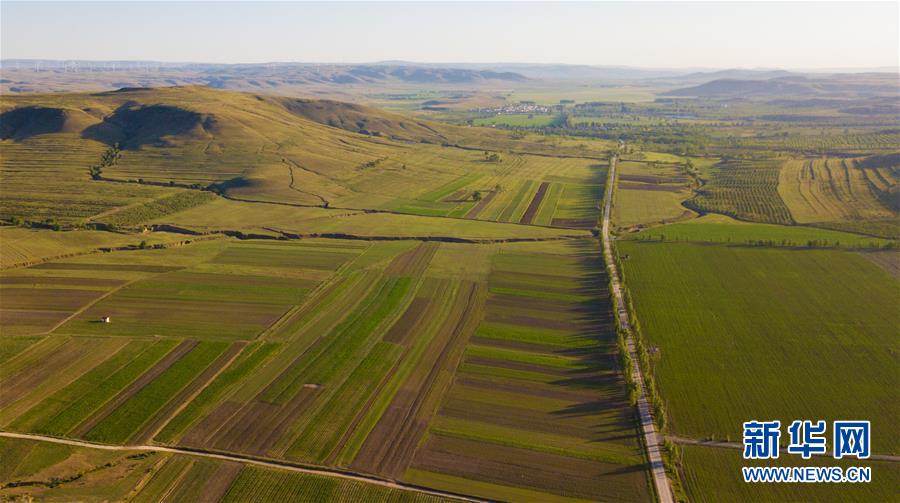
[73,158]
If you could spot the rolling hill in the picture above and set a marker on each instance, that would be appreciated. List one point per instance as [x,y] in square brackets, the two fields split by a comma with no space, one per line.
[143,143]
[846,85]
[21,76]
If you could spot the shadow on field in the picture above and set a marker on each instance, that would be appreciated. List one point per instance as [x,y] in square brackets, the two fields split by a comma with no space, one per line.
[599,370]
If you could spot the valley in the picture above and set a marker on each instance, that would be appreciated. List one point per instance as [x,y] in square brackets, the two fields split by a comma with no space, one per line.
[228,295]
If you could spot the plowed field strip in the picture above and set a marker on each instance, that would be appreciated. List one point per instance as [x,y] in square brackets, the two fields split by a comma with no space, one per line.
[532,210]
[257,426]
[477,209]
[23,382]
[497,464]
[402,329]
[391,445]
[218,484]
[413,262]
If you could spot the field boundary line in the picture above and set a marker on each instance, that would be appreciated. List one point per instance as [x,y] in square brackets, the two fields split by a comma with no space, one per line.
[251,460]
[737,445]
[90,304]
[652,441]
[110,249]
[187,401]
[322,206]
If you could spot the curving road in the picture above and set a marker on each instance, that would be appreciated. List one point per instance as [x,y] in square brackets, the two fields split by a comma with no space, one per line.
[652,439]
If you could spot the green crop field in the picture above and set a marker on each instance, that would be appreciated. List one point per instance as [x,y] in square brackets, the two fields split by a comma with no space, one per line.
[830,342]
[715,475]
[714,228]
[202,290]
[516,120]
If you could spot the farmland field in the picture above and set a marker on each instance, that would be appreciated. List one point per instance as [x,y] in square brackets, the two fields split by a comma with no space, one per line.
[237,295]
[714,475]
[714,228]
[747,190]
[395,325]
[733,333]
[60,473]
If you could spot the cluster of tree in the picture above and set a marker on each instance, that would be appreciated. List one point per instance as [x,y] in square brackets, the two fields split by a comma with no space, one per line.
[784,243]
[492,157]
[672,454]
[374,163]
[109,158]
[47,223]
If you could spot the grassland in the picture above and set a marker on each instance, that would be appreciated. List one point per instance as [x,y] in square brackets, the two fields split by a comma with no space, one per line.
[812,345]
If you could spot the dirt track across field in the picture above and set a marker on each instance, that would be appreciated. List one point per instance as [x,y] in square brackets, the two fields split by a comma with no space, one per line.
[248,460]
[652,439]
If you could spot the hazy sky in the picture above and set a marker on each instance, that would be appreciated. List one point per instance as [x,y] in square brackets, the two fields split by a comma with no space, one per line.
[787,35]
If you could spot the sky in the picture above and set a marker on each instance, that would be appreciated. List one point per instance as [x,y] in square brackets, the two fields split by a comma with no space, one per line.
[806,35]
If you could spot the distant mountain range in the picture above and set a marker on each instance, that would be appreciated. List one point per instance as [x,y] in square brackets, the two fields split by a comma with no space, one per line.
[338,80]
[842,85]
[274,74]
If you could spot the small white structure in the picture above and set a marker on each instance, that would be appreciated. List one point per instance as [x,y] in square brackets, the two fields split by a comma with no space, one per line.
[105,319]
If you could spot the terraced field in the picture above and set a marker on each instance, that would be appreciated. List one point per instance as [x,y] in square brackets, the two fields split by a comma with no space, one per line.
[284,151]
[28,168]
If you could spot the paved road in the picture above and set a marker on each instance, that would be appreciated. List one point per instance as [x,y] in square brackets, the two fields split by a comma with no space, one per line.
[652,439]
[267,463]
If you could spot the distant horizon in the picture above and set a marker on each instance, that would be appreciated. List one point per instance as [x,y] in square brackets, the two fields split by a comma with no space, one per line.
[665,35]
[451,64]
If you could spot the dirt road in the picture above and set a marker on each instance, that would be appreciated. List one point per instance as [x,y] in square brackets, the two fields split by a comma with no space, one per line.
[266,463]
[652,439]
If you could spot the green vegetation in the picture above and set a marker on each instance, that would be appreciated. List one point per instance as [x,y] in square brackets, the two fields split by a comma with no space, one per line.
[516,120]
[715,475]
[746,190]
[326,283]
[788,353]
[144,212]
[229,378]
[126,419]
[721,229]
